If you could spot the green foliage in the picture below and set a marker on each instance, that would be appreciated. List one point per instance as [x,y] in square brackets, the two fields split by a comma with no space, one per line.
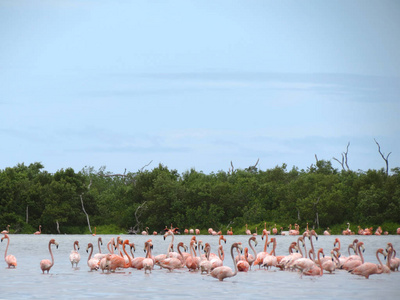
[322,196]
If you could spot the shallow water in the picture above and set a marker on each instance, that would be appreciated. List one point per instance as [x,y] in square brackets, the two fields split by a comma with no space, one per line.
[63,281]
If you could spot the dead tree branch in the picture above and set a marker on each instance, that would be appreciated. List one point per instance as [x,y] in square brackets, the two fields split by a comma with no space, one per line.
[386,159]
[138,212]
[83,207]
[344,158]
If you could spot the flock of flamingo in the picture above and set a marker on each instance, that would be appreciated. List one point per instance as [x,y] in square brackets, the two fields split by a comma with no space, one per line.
[298,259]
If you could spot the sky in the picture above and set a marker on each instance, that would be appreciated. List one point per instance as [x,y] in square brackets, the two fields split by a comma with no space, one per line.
[199,84]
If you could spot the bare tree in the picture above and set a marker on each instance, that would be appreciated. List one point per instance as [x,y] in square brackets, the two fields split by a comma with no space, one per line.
[344,158]
[386,159]
[138,212]
[83,207]
[315,204]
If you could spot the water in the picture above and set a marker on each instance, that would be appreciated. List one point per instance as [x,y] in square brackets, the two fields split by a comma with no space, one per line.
[65,282]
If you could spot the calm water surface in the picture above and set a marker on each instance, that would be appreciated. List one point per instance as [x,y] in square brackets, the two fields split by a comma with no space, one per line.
[65,282]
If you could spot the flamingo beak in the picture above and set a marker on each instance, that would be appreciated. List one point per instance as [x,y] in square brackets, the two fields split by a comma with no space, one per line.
[55,243]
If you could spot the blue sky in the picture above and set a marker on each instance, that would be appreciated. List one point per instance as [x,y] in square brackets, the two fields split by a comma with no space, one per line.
[198,84]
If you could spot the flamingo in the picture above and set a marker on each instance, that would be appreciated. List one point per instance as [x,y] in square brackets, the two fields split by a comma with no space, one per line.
[275,230]
[327,231]
[205,264]
[148,262]
[398,230]
[284,260]
[172,263]
[271,260]
[354,261]
[197,231]
[118,261]
[94,234]
[316,271]
[146,231]
[329,264]
[218,261]
[261,255]
[39,231]
[93,263]
[225,272]
[248,232]
[347,231]
[220,239]
[99,255]
[255,233]
[386,268]
[75,257]
[11,261]
[243,264]
[186,231]
[191,231]
[367,269]
[191,261]
[7,230]
[395,261]
[229,232]
[46,264]
[251,258]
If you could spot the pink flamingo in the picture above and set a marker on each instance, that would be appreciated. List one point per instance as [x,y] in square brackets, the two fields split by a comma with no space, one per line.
[197,231]
[354,261]
[271,259]
[398,230]
[39,231]
[218,261]
[148,262]
[191,262]
[261,255]
[99,255]
[118,261]
[316,271]
[7,230]
[225,272]
[220,239]
[327,231]
[243,264]
[229,232]
[367,269]
[146,231]
[248,232]
[395,261]
[46,264]
[347,231]
[75,257]
[329,264]
[285,259]
[94,234]
[172,263]
[205,264]
[275,230]
[93,263]
[11,261]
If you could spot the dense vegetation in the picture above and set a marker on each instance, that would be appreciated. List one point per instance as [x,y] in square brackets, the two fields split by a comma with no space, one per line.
[321,196]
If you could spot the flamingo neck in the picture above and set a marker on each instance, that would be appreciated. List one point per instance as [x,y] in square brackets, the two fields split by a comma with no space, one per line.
[126,265]
[360,254]
[320,263]
[266,241]
[91,251]
[8,242]
[98,243]
[233,259]
[252,248]
[51,254]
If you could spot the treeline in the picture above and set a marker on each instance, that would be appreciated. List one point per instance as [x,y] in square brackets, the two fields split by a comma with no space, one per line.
[68,201]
